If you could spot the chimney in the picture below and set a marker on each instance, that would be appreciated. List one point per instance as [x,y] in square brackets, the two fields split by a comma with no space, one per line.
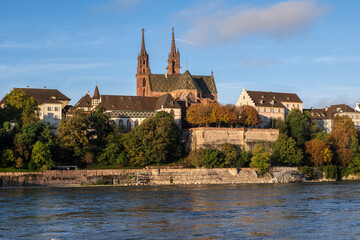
[44,87]
[89,93]
[27,86]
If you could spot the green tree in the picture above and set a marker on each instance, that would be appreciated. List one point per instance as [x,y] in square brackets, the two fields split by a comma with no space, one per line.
[286,152]
[260,159]
[20,107]
[155,141]
[195,158]
[298,126]
[230,153]
[279,124]
[243,159]
[114,152]
[8,158]
[40,157]
[213,158]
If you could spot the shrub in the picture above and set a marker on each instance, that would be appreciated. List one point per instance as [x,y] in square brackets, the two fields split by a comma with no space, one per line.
[260,159]
[242,160]
[195,158]
[230,153]
[308,172]
[213,158]
[332,172]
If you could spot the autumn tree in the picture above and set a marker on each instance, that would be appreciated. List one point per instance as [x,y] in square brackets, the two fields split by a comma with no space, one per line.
[286,152]
[343,130]
[298,124]
[199,114]
[260,159]
[319,152]
[248,116]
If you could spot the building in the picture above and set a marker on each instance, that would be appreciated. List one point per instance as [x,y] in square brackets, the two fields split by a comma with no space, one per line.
[129,111]
[270,105]
[325,116]
[51,103]
[183,87]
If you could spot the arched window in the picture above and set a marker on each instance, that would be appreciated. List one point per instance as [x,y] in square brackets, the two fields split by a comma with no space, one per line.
[121,123]
[172,113]
[128,124]
[144,61]
[136,123]
[144,82]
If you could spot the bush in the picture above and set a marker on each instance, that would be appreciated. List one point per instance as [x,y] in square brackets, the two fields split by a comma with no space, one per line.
[242,160]
[332,172]
[195,159]
[308,172]
[213,158]
[230,153]
[260,159]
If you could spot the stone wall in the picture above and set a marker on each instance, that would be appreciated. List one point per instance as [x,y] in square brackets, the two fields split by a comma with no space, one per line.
[204,137]
[132,177]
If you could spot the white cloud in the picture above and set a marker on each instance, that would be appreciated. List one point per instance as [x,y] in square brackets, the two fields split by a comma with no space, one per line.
[218,24]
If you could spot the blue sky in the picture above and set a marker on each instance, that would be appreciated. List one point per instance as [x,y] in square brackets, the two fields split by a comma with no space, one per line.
[309,47]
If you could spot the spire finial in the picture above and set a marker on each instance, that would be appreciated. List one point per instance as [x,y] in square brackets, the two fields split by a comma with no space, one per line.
[212,72]
[173,48]
[142,51]
[187,65]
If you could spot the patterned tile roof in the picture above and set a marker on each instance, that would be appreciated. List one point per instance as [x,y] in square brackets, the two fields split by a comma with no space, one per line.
[166,83]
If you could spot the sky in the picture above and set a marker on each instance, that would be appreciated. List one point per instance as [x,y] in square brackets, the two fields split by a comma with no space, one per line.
[307,47]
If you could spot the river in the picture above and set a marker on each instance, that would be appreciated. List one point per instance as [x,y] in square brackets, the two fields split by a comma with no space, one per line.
[246,211]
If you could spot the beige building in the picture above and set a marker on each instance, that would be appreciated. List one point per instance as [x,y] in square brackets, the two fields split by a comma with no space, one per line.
[51,103]
[325,116]
[270,105]
[130,111]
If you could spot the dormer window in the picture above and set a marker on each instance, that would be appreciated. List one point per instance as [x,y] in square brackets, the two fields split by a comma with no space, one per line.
[261,101]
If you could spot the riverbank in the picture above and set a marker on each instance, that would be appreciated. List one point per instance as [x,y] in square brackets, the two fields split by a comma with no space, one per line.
[155,176]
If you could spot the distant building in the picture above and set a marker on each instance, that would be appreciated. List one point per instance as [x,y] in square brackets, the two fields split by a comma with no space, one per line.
[357,107]
[183,87]
[129,111]
[51,103]
[270,105]
[325,116]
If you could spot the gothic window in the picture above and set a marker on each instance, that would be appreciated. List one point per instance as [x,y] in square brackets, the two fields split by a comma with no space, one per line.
[121,123]
[143,70]
[128,124]
[144,82]
[136,123]
[144,92]
[144,61]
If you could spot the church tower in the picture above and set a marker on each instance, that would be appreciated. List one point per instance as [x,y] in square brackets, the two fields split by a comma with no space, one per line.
[174,58]
[143,70]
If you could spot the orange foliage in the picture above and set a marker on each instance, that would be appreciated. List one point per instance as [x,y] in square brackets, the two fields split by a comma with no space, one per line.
[319,152]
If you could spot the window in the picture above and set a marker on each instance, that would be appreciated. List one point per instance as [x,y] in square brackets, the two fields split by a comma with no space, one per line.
[56,109]
[298,106]
[293,105]
[172,113]
[264,109]
[279,110]
[287,105]
[128,124]
[121,123]
[259,109]
[244,97]
[49,108]
[136,123]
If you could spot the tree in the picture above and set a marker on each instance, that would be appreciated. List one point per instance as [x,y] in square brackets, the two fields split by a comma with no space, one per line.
[286,152]
[72,134]
[20,107]
[248,116]
[230,153]
[341,135]
[155,141]
[298,126]
[323,136]
[40,157]
[114,152]
[243,159]
[260,159]
[217,114]
[195,158]
[8,158]
[279,124]
[199,114]
[213,158]
[319,152]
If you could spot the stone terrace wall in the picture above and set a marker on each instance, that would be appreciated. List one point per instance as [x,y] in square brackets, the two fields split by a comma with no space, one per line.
[196,138]
[132,177]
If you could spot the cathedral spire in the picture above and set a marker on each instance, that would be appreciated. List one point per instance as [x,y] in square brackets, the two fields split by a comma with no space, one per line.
[143,50]
[174,57]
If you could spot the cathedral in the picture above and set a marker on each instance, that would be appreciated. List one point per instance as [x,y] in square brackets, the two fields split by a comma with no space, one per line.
[185,88]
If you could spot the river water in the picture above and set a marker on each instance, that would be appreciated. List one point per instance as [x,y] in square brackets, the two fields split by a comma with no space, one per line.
[246,211]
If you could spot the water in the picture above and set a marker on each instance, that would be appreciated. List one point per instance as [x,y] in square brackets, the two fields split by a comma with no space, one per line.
[281,211]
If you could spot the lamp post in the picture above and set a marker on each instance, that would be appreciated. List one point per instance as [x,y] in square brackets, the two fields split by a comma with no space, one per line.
[272,113]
